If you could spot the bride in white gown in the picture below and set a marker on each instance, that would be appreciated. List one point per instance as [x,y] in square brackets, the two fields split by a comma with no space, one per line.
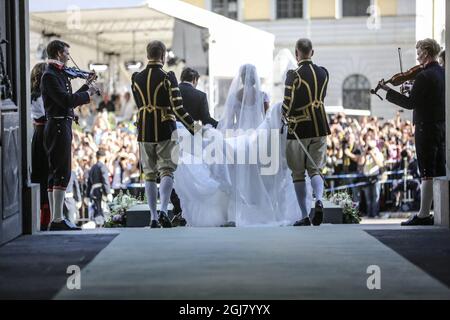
[228,176]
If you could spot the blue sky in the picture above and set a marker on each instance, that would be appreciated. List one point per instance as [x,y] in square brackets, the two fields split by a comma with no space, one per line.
[61,5]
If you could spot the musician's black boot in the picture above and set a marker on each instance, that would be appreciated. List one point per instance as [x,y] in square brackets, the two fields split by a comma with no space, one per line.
[63,225]
[416,221]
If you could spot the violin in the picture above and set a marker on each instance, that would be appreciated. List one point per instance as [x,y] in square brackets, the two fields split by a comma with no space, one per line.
[77,73]
[405,79]
[399,79]
[74,73]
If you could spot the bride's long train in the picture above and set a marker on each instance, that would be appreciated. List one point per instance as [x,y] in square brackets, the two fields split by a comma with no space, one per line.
[213,193]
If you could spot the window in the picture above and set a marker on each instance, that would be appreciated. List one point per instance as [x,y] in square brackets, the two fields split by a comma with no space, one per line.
[289,9]
[355,8]
[356,92]
[227,8]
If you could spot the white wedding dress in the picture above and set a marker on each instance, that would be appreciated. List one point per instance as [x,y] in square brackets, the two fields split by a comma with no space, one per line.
[213,193]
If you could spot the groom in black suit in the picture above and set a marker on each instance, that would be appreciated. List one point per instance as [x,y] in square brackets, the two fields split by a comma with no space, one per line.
[195,101]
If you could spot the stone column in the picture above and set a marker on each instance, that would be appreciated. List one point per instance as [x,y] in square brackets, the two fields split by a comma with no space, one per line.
[447,89]
[441,185]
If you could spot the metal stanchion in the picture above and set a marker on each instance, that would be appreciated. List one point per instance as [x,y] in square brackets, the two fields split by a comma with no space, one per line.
[406,196]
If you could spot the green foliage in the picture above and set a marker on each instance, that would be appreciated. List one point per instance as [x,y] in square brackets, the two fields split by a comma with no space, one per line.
[349,208]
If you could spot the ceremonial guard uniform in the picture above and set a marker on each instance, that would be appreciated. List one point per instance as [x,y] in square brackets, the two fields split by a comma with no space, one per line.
[304,110]
[98,186]
[160,105]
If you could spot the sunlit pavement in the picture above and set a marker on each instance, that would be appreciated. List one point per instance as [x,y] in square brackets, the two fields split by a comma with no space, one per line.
[329,262]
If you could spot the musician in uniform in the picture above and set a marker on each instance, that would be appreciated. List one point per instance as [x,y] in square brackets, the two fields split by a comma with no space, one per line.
[160,104]
[304,111]
[59,102]
[427,100]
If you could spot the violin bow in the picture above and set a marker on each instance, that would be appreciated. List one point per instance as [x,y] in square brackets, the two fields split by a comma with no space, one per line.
[400,59]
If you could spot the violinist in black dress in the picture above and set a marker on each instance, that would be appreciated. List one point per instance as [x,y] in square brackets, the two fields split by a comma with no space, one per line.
[59,102]
[427,100]
[39,162]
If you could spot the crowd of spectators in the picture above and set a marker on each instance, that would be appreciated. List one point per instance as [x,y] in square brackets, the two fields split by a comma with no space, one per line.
[368,155]
[107,125]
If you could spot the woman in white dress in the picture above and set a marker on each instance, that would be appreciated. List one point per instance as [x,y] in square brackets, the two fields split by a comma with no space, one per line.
[234,192]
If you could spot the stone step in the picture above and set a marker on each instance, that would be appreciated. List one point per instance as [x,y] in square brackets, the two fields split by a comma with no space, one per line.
[332,213]
[139,216]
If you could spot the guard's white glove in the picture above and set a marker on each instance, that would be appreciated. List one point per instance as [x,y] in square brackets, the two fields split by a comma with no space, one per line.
[109,197]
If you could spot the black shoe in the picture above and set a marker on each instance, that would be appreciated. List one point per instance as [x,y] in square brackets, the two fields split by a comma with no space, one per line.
[64,225]
[416,221]
[230,224]
[318,214]
[179,221]
[303,223]
[155,225]
[164,220]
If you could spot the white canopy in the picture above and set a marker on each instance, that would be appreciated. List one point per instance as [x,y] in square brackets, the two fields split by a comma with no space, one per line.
[228,43]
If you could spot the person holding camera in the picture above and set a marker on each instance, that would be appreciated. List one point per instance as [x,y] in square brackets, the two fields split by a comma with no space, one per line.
[401,187]
[372,162]
[350,159]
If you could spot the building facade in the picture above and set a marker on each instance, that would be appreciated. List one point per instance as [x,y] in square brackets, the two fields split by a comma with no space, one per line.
[356,40]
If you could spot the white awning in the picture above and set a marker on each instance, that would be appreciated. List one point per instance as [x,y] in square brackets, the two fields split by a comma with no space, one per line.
[232,43]
[228,44]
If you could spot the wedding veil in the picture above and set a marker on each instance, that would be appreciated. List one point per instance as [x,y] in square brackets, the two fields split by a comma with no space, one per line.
[244,107]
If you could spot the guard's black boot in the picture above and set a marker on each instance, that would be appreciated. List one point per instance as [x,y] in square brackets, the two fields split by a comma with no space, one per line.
[164,220]
[318,214]
[155,224]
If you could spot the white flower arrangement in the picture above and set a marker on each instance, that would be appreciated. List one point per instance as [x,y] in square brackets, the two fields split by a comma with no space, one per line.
[119,207]
[349,208]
